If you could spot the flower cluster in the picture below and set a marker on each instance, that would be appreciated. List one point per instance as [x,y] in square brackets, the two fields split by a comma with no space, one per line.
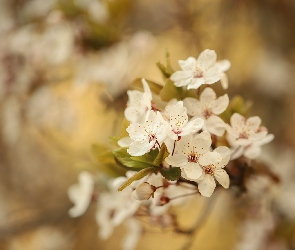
[175,148]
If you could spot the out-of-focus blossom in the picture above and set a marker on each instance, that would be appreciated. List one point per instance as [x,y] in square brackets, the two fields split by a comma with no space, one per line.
[97,9]
[247,137]
[245,131]
[134,233]
[81,193]
[117,66]
[114,207]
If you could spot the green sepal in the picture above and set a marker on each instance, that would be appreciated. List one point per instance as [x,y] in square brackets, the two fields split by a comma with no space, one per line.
[155,87]
[171,174]
[167,70]
[135,162]
[139,175]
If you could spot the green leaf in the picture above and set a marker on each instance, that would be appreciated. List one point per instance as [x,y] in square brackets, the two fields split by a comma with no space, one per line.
[147,158]
[154,158]
[139,175]
[155,87]
[161,155]
[135,162]
[170,91]
[171,174]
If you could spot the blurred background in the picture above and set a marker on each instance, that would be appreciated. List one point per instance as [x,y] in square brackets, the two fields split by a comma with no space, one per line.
[65,66]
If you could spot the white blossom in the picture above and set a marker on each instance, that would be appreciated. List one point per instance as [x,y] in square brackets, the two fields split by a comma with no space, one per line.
[114,207]
[195,72]
[208,108]
[213,164]
[146,136]
[251,151]
[139,103]
[187,153]
[81,193]
[178,124]
[243,131]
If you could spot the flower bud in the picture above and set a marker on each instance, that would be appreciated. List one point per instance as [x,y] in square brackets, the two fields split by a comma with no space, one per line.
[144,191]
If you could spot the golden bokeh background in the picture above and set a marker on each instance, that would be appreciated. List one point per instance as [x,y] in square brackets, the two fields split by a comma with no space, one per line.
[65,66]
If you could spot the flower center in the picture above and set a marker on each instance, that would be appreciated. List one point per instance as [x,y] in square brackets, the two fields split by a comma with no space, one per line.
[209,170]
[198,73]
[207,113]
[152,137]
[192,157]
[243,135]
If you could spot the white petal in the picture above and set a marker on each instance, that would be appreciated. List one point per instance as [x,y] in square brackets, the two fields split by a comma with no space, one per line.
[234,134]
[136,131]
[196,83]
[220,104]
[194,107]
[177,160]
[181,78]
[202,142]
[215,125]
[169,144]
[146,88]
[198,124]
[140,148]
[208,96]
[257,136]
[237,152]
[222,177]
[223,65]
[125,142]
[206,59]
[252,152]
[268,138]
[253,123]
[188,64]
[210,158]
[224,80]
[192,170]
[243,141]
[237,121]
[207,185]
[212,75]
[225,154]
